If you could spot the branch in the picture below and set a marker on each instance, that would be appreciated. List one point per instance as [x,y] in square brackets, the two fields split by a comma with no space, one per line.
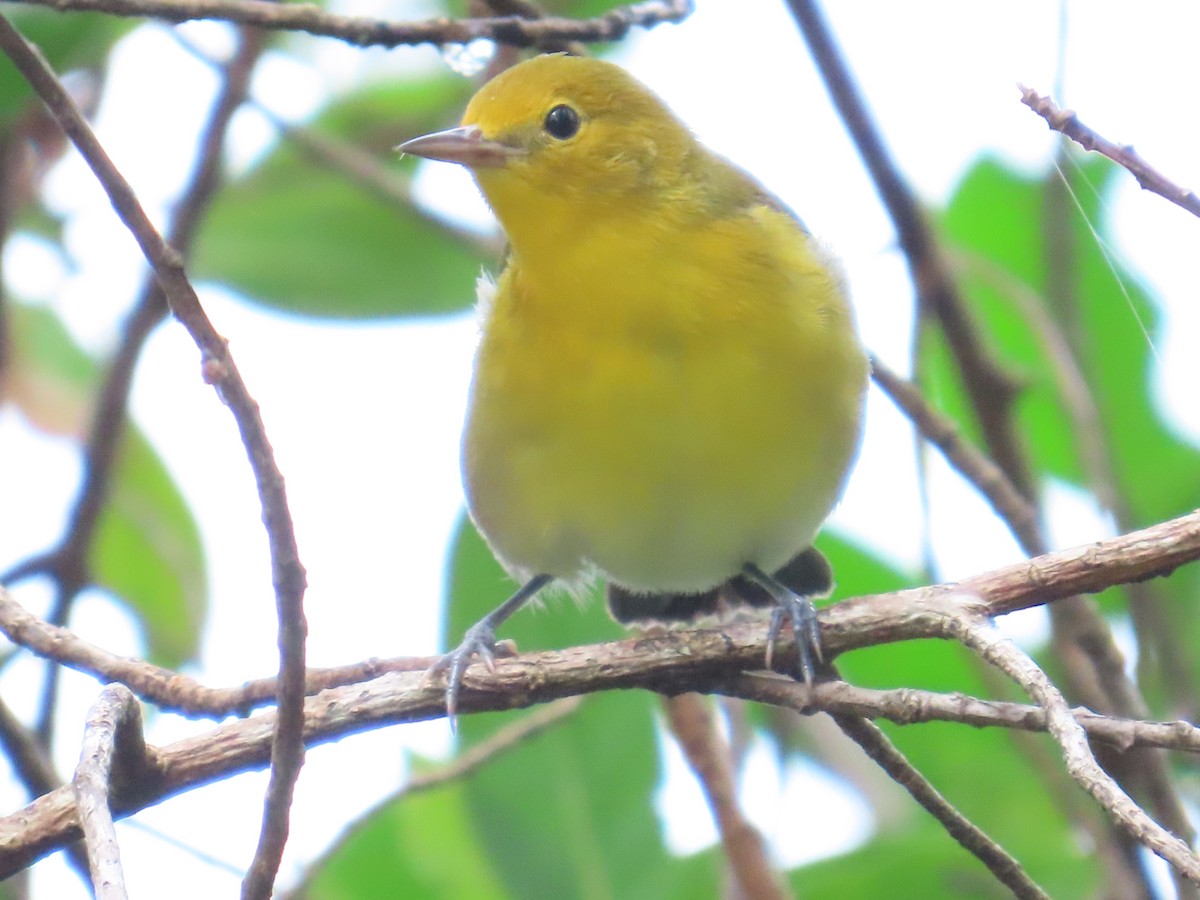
[165,688]
[671,662]
[980,636]
[1066,122]
[908,706]
[990,390]
[35,770]
[876,745]
[365,32]
[691,720]
[1097,678]
[857,622]
[220,370]
[173,692]
[989,479]
[68,563]
[112,749]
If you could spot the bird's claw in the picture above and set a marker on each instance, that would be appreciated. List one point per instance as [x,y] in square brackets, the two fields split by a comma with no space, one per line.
[806,632]
[480,640]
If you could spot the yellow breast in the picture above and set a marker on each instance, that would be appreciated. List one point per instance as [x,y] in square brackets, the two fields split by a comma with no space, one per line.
[663,400]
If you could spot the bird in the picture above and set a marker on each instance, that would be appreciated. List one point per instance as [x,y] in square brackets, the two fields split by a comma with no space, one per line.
[669,387]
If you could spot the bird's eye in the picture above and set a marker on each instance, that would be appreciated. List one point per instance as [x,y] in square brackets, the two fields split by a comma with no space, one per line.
[562,122]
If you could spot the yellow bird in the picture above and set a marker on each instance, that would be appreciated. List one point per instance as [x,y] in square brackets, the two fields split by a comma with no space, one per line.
[669,387]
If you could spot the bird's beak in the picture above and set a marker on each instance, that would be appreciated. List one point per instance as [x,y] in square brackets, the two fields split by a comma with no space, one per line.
[464,145]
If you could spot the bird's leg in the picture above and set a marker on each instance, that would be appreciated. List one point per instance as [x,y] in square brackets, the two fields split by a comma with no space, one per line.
[480,639]
[805,629]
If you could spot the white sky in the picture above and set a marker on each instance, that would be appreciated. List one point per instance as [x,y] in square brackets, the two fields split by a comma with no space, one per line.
[365,418]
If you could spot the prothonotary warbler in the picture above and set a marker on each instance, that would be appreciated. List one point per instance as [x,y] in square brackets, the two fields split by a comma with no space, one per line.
[669,387]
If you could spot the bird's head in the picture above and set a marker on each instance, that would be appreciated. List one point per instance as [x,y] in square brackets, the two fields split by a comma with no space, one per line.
[558,136]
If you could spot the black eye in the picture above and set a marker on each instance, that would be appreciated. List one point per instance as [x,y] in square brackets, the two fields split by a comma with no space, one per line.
[562,122]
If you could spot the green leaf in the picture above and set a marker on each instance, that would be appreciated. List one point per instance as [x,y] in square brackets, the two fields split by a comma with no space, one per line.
[928,864]
[998,217]
[857,571]
[147,548]
[300,236]
[418,846]
[147,552]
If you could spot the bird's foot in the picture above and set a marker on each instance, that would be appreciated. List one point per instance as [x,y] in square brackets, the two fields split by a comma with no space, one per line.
[806,632]
[479,640]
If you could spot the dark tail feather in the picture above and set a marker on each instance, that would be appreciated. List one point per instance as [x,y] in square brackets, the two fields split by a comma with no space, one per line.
[625,606]
[807,573]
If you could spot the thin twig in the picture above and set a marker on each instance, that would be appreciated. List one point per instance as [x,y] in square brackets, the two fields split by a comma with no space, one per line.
[35,770]
[1092,662]
[908,706]
[365,32]
[1066,122]
[876,745]
[68,563]
[979,635]
[1018,513]
[692,722]
[221,371]
[990,390]
[506,738]
[165,688]
[112,749]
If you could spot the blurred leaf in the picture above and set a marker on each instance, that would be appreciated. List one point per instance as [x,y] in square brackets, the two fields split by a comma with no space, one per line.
[418,846]
[928,864]
[147,551]
[571,813]
[998,216]
[376,117]
[858,571]
[147,547]
[299,236]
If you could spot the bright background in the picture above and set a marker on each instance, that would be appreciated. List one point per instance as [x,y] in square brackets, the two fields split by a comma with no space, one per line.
[365,418]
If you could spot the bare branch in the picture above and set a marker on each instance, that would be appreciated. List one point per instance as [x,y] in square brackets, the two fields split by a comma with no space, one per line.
[112,749]
[165,688]
[691,719]
[1008,503]
[221,371]
[982,637]
[908,706]
[35,770]
[68,563]
[670,662]
[857,622]
[876,745]
[1067,122]
[364,32]
[990,389]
